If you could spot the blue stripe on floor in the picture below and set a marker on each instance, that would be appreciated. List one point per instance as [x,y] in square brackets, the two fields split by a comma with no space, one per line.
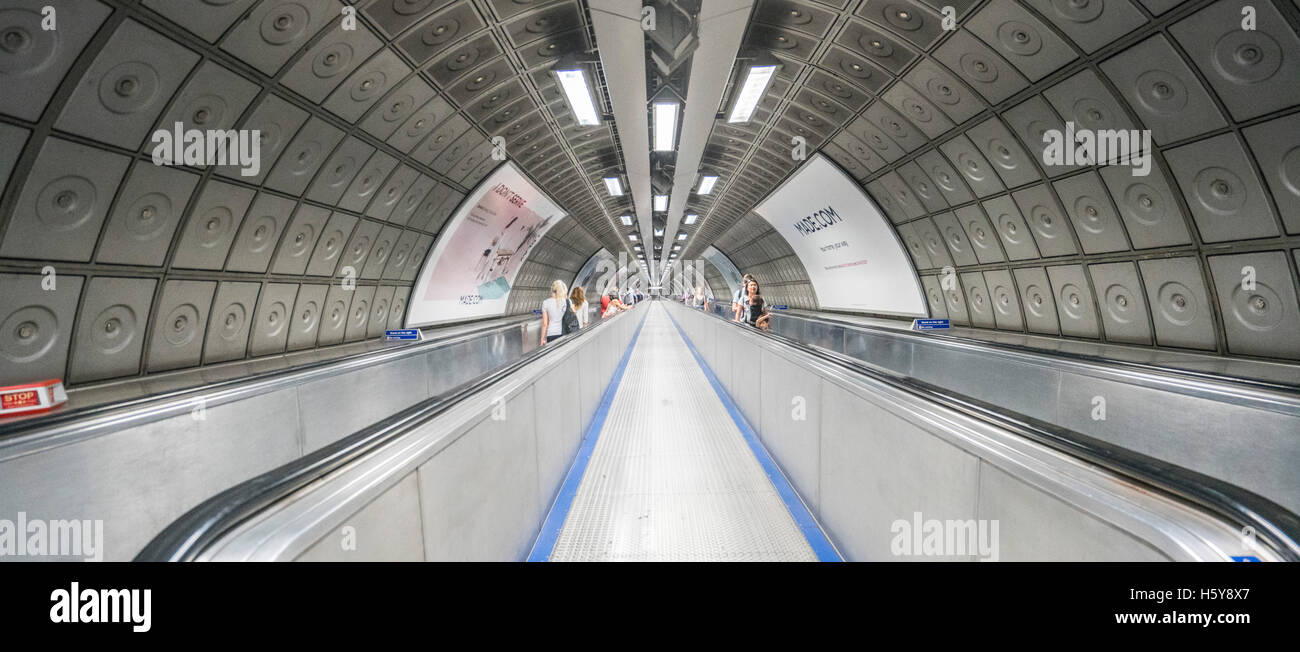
[812,532]
[550,532]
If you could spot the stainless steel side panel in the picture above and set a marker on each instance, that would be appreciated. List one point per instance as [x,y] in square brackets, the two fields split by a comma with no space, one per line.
[486,472]
[865,455]
[1245,436]
[139,479]
[139,472]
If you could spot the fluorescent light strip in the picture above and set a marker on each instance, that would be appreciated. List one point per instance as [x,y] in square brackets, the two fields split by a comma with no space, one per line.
[751,93]
[681,236]
[691,217]
[661,203]
[578,91]
[706,185]
[632,236]
[614,186]
[665,116]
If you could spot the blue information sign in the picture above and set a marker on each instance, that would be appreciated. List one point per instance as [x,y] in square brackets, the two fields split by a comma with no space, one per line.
[929,324]
[781,307]
[402,334]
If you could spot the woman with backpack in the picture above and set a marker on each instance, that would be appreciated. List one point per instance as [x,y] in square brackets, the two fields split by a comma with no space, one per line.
[738,299]
[754,309]
[558,317]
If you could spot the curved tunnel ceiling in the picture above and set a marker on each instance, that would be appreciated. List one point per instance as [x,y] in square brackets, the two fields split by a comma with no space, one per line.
[371,137]
[112,267]
[944,129]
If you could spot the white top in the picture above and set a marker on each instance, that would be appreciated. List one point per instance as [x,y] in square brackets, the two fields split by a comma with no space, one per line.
[582,313]
[556,312]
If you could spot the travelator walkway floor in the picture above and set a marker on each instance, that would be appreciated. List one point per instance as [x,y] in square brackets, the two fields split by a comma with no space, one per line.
[673,473]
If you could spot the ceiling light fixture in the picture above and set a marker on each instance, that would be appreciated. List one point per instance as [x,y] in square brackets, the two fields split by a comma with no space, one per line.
[706,184]
[681,236]
[757,75]
[572,77]
[632,236]
[691,217]
[615,186]
[665,126]
[626,219]
[661,203]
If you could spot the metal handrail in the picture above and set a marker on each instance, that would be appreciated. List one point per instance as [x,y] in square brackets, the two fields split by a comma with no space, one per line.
[1275,527]
[186,538]
[187,395]
[1140,367]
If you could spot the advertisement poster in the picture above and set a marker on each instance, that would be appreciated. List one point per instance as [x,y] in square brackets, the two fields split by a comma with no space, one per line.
[473,266]
[853,256]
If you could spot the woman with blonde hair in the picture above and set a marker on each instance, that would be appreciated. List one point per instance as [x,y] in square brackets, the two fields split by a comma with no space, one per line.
[578,298]
[554,310]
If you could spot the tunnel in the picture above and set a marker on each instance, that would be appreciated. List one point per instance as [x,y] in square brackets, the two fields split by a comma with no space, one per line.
[650,280]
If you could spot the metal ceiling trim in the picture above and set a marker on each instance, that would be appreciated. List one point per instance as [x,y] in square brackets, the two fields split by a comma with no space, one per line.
[621,44]
[722,25]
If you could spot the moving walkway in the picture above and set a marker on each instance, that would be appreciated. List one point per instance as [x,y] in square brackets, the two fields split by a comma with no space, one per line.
[608,446]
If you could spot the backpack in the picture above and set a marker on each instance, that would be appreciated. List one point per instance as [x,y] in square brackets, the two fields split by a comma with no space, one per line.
[754,309]
[569,322]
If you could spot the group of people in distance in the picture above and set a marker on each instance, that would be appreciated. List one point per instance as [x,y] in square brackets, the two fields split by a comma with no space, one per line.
[747,304]
[565,311]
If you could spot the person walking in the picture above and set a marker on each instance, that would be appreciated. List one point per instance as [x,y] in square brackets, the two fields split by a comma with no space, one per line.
[558,318]
[738,298]
[578,298]
[610,304]
[755,309]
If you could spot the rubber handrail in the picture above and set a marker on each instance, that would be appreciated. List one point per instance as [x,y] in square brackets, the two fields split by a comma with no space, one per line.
[63,418]
[1143,367]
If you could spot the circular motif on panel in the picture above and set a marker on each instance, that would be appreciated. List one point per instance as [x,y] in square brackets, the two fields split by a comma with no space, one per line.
[28,333]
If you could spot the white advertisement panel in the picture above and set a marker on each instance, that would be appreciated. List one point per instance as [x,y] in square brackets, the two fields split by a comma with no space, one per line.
[473,266]
[854,258]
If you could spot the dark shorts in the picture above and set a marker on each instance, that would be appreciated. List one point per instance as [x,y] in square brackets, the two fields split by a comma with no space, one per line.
[552,338]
